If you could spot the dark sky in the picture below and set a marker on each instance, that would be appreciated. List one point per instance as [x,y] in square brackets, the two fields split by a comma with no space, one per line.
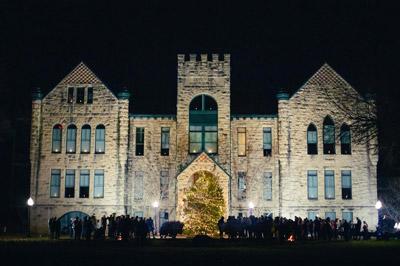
[273,45]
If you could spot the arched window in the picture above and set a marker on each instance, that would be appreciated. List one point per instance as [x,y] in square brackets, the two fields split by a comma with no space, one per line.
[329,136]
[85,139]
[71,139]
[203,120]
[312,140]
[100,139]
[345,139]
[56,139]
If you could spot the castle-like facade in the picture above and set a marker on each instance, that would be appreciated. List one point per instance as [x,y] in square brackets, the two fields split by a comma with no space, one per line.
[90,155]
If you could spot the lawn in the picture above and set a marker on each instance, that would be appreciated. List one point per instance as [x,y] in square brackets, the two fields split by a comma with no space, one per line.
[38,251]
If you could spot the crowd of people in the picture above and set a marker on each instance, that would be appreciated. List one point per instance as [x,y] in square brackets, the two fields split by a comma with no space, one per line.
[280,228]
[114,227]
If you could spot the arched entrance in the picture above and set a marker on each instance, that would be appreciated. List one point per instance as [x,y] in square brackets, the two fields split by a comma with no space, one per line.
[185,181]
[67,218]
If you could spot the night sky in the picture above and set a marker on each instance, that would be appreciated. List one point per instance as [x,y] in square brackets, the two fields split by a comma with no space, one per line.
[273,46]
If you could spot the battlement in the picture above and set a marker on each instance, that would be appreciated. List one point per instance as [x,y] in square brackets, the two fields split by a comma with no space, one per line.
[204,64]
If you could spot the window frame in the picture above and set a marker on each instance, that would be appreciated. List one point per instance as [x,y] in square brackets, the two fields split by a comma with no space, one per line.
[84,140]
[138,187]
[98,140]
[312,174]
[70,95]
[346,173]
[84,173]
[164,146]
[98,176]
[329,134]
[69,141]
[89,98]
[241,131]
[164,185]
[345,133]
[242,185]
[267,186]
[267,131]
[53,140]
[326,176]
[139,146]
[80,95]
[55,173]
[70,174]
[312,148]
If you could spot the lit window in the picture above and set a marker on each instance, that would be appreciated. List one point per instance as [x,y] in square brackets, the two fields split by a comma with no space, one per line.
[346,184]
[329,184]
[100,139]
[90,95]
[345,139]
[241,185]
[312,139]
[203,130]
[139,141]
[70,183]
[56,139]
[165,141]
[80,95]
[98,184]
[267,186]
[85,139]
[71,139]
[55,183]
[312,184]
[241,141]
[329,136]
[84,184]
[267,141]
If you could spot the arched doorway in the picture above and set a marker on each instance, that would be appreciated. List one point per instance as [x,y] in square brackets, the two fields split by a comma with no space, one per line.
[67,218]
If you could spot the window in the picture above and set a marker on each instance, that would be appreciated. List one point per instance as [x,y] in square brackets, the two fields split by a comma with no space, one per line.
[164,182]
[100,139]
[70,98]
[98,184]
[138,214]
[312,184]
[80,95]
[71,139]
[139,141]
[56,139]
[241,141]
[70,183]
[241,185]
[312,140]
[203,129]
[346,184]
[330,215]
[311,215]
[267,141]
[345,139]
[84,184]
[55,183]
[329,184]
[85,139]
[348,216]
[90,95]
[329,136]
[267,186]
[165,141]
[138,186]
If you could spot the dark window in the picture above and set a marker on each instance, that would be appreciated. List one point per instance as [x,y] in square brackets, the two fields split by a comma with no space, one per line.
[139,141]
[80,95]
[70,95]
[98,184]
[85,139]
[55,183]
[100,145]
[267,141]
[312,140]
[329,136]
[90,95]
[203,130]
[165,141]
[84,184]
[71,139]
[345,139]
[56,139]
[346,184]
[70,183]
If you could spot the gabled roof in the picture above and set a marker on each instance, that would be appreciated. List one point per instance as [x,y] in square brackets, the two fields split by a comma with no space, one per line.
[326,75]
[202,158]
[81,74]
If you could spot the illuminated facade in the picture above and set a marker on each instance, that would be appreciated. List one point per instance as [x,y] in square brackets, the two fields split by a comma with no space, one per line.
[89,154]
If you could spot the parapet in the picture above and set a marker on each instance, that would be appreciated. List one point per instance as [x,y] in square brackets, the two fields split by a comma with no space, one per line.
[213,64]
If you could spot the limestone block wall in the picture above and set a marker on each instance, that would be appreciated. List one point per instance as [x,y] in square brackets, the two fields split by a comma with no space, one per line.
[203,76]
[151,165]
[255,164]
[105,110]
[311,105]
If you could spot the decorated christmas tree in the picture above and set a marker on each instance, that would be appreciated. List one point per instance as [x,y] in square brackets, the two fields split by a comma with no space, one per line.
[204,205]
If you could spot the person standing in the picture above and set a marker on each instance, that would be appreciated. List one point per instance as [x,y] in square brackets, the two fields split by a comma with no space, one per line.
[221,227]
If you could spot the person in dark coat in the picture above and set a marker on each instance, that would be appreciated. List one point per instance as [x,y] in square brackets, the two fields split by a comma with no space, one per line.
[57,229]
[77,228]
[221,227]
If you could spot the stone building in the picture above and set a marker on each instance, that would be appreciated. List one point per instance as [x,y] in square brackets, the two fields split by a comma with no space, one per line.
[89,155]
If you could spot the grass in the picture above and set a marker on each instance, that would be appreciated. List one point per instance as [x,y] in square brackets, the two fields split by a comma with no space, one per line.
[37,251]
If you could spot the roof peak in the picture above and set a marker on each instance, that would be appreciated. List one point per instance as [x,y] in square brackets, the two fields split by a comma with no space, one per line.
[326,75]
[81,74]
